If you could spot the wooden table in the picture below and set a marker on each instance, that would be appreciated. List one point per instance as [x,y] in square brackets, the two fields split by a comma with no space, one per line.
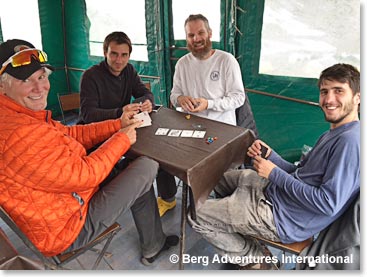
[196,162]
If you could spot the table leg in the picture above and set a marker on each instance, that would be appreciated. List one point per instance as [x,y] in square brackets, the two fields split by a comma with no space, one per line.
[183,223]
[192,205]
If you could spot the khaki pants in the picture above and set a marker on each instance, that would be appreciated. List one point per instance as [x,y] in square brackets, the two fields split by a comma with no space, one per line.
[242,211]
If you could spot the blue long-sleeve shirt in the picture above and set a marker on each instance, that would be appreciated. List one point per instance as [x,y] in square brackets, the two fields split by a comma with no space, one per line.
[310,196]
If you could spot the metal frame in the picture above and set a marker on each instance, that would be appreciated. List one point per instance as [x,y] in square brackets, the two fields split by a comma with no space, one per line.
[293,248]
[58,261]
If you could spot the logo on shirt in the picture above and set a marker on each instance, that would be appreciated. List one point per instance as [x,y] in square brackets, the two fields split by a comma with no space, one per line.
[214,76]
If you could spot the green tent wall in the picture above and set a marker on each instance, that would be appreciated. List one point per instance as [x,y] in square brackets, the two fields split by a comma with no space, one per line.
[284,124]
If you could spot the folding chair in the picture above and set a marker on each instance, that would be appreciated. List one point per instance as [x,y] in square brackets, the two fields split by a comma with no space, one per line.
[69,102]
[293,248]
[148,86]
[58,261]
[245,117]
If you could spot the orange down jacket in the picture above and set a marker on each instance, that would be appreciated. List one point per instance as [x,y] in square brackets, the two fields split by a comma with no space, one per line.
[42,163]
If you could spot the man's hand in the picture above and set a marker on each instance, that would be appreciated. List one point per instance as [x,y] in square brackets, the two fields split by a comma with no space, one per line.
[131,132]
[255,149]
[186,102]
[146,106]
[193,105]
[201,105]
[127,118]
[137,107]
[263,166]
[133,107]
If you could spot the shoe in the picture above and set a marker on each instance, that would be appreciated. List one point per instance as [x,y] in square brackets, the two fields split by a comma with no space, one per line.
[170,241]
[164,206]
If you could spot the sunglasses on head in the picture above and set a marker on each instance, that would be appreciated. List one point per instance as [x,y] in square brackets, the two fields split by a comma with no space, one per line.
[24,57]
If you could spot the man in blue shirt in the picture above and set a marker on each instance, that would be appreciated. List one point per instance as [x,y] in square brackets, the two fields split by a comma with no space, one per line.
[283,202]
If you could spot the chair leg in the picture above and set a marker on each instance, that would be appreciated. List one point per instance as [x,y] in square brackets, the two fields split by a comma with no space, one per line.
[265,250]
[105,247]
[98,251]
[50,266]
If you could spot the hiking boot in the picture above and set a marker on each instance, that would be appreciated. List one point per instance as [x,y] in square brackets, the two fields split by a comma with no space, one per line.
[170,241]
[164,206]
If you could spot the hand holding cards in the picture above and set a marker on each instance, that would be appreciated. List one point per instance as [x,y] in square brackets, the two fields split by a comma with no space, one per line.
[145,118]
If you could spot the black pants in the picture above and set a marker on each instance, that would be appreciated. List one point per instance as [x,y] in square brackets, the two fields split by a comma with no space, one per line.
[166,184]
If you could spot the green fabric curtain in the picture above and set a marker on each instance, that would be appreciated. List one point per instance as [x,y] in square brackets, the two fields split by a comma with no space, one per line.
[285,125]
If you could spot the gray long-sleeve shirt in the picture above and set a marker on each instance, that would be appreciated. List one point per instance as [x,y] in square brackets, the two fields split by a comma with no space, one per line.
[309,197]
[102,94]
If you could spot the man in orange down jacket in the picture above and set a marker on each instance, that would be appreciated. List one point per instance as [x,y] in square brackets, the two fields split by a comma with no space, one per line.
[48,183]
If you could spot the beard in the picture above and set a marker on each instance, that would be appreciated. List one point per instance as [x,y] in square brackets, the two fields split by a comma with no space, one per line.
[335,120]
[203,52]
[347,110]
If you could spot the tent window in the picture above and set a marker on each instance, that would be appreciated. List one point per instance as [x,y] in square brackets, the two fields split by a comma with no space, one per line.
[301,40]
[15,26]
[117,15]
[182,9]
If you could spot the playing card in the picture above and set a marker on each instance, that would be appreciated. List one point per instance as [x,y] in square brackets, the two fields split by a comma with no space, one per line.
[187,133]
[144,116]
[174,133]
[161,132]
[198,134]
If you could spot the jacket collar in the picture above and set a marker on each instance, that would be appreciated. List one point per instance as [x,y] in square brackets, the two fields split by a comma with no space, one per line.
[11,104]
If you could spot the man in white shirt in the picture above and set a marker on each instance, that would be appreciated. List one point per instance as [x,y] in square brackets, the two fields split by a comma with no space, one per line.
[207,82]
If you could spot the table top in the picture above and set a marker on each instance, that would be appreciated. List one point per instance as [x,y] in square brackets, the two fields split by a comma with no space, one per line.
[198,163]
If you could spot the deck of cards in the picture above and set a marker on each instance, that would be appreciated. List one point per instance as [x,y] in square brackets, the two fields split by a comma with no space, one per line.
[144,116]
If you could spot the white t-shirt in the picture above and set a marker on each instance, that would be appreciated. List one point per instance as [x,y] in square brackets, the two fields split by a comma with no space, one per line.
[217,79]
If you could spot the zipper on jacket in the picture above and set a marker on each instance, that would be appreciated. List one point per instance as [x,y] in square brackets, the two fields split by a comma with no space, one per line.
[46,116]
[80,201]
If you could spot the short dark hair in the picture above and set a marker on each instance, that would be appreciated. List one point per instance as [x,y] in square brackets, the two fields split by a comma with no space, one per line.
[343,73]
[119,38]
[193,17]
